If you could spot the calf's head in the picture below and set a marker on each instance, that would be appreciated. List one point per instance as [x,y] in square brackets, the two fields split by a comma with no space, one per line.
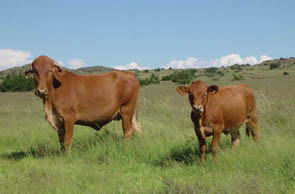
[43,69]
[198,93]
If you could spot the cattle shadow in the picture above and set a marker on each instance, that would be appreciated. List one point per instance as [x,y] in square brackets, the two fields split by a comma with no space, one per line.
[186,156]
[186,153]
[80,144]
[40,151]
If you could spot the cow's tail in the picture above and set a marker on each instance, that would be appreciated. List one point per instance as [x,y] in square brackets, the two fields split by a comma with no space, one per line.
[135,123]
[137,111]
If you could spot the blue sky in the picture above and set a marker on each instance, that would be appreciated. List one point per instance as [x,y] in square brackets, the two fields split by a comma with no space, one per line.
[146,34]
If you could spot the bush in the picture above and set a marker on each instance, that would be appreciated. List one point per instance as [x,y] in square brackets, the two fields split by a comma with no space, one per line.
[285,73]
[17,83]
[166,78]
[183,77]
[158,69]
[237,77]
[211,70]
[221,73]
[238,69]
[153,79]
[234,66]
[274,65]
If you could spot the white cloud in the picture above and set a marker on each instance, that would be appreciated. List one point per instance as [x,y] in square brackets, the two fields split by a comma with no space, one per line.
[60,63]
[227,60]
[76,63]
[11,58]
[132,65]
[264,58]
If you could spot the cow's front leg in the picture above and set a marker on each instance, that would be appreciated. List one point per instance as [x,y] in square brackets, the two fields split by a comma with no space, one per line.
[202,148]
[202,142]
[69,128]
[65,134]
[217,131]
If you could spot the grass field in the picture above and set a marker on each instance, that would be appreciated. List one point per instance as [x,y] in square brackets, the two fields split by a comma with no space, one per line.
[165,159]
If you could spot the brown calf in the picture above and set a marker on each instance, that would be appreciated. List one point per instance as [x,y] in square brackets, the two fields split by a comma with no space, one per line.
[224,110]
[89,100]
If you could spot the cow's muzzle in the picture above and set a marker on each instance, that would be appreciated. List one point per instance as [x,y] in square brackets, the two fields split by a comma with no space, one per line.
[41,92]
[198,109]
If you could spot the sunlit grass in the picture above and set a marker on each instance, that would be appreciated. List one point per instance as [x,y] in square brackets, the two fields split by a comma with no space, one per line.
[165,159]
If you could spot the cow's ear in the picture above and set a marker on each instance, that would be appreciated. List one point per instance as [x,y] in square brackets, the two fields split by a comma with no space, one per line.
[212,89]
[183,90]
[56,68]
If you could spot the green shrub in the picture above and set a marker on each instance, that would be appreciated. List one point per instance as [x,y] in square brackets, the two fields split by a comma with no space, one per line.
[17,83]
[285,73]
[237,77]
[166,78]
[274,65]
[146,71]
[235,66]
[221,73]
[211,70]
[183,77]
[238,69]
[153,79]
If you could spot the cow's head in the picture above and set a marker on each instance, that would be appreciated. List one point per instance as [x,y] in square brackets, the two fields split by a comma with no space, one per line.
[44,69]
[198,93]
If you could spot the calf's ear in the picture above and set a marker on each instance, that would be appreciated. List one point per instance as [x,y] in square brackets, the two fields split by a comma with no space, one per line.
[183,90]
[212,89]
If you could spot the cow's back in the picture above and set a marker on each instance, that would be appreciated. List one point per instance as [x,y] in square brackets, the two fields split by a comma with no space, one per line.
[231,105]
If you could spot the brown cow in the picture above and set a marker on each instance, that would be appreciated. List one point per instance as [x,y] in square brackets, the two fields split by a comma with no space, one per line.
[89,100]
[224,110]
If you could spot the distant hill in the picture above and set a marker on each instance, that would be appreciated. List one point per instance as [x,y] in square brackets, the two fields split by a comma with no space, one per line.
[283,62]
[82,70]
[15,70]
[92,69]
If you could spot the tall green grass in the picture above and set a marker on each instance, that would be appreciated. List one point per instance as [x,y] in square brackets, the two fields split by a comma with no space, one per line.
[165,159]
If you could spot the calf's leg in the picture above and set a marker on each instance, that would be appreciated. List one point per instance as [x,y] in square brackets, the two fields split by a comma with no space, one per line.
[217,131]
[202,142]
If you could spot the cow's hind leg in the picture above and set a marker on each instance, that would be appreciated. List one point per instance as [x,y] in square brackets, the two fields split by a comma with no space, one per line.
[252,126]
[127,113]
